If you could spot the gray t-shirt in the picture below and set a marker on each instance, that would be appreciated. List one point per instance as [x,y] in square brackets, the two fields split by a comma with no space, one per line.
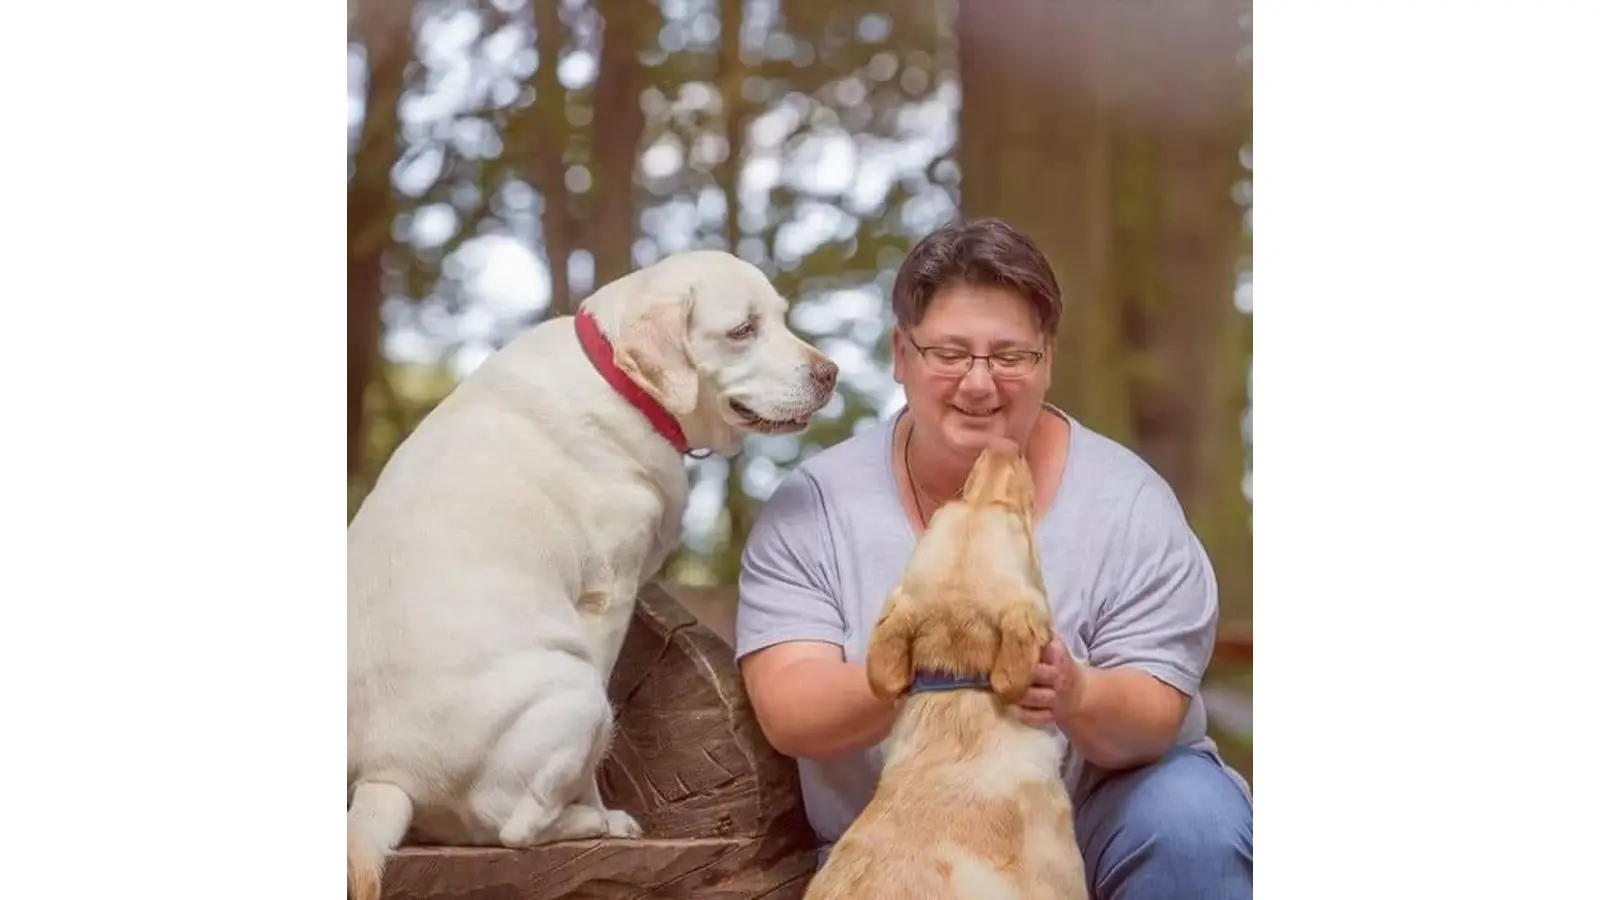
[1128,582]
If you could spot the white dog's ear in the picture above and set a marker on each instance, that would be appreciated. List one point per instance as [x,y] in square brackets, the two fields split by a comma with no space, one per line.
[653,350]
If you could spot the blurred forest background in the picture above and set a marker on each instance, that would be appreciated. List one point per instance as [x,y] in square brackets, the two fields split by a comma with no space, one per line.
[507,156]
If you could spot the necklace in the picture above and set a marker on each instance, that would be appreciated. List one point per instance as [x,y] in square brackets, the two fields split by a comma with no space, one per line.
[916,491]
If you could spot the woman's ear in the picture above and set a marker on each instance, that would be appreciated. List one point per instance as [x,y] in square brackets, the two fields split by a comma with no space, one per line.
[897,353]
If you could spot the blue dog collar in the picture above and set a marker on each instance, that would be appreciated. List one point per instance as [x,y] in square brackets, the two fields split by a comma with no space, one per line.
[944,681]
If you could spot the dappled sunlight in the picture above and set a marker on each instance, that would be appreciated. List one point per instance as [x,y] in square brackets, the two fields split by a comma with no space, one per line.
[528,163]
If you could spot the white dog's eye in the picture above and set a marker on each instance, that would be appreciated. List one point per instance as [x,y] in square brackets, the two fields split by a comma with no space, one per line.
[747,329]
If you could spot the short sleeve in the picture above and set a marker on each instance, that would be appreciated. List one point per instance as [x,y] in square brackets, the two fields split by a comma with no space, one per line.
[1161,616]
[785,591]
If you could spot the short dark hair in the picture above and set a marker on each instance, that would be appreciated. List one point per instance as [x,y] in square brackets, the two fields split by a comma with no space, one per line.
[980,252]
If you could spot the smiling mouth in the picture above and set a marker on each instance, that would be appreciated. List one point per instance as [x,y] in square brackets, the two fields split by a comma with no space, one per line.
[976,414]
[757,422]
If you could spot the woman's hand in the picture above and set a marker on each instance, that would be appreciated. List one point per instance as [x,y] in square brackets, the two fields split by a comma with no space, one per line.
[1057,687]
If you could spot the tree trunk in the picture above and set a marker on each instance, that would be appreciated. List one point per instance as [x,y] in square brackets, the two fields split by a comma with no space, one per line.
[1188,394]
[384,31]
[1121,165]
[618,130]
[731,73]
[546,168]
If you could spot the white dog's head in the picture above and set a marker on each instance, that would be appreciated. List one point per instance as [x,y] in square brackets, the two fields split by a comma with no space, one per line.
[705,333]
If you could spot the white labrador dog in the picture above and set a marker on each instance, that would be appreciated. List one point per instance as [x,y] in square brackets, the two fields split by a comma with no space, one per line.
[494,566]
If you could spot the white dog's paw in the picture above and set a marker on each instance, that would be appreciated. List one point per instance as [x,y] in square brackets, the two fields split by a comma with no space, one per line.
[575,823]
[620,824]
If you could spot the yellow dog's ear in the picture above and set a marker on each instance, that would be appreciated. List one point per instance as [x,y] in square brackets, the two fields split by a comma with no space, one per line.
[653,350]
[889,651]
[1024,632]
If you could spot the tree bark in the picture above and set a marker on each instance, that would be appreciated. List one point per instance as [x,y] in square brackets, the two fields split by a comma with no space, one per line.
[546,168]
[384,31]
[618,130]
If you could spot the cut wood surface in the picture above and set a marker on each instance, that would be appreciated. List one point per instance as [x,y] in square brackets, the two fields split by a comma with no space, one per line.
[689,759]
[712,869]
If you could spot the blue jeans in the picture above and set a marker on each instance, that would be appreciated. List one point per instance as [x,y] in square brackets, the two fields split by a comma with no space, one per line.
[1177,828]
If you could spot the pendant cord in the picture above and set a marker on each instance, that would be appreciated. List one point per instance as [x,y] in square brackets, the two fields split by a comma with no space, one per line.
[916,490]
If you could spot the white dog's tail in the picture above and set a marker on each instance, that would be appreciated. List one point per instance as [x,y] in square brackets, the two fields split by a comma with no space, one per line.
[378,819]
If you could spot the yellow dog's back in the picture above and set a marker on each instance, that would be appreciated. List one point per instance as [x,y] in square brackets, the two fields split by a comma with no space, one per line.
[971,805]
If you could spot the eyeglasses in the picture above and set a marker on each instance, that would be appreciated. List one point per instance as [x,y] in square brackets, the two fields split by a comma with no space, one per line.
[953,362]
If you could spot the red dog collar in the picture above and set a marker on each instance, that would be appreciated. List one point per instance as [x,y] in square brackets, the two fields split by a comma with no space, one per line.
[603,356]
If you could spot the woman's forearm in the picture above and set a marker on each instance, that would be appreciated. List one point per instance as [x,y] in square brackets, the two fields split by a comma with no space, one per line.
[1123,717]
[819,708]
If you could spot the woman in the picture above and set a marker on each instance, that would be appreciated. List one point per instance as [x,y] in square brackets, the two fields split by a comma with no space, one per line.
[1132,592]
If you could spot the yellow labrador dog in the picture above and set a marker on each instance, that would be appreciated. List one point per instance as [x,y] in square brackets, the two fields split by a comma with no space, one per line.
[493,568]
[971,803]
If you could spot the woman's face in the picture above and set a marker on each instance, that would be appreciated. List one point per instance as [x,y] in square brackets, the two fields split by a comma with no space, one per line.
[962,398]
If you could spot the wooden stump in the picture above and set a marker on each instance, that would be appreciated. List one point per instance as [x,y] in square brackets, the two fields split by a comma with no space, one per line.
[720,808]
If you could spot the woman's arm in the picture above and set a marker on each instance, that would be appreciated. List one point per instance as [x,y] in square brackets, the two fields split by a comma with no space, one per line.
[1120,718]
[811,703]
[1117,718]
[1148,647]
[790,633]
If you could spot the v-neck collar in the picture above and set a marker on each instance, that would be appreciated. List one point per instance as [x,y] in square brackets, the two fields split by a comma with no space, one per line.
[1074,432]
